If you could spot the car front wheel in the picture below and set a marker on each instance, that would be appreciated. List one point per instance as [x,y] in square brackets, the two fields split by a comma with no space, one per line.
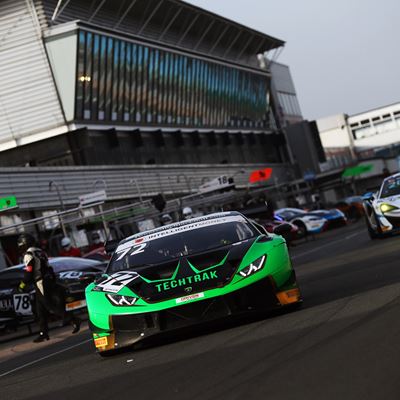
[302,232]
[373,234]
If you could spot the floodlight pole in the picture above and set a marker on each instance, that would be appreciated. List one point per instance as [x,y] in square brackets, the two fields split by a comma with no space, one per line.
[51,184]
[105,224]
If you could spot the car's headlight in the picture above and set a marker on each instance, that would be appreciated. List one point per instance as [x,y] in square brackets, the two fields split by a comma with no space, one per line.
[387,208]
[253,267]
[122,301]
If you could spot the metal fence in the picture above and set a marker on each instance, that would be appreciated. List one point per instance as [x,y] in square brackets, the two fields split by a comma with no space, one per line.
[49,188]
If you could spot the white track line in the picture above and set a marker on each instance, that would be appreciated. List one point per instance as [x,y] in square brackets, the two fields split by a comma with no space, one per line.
[44,358]
[326,245]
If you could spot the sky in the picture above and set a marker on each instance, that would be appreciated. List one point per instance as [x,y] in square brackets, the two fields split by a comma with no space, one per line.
[344,55]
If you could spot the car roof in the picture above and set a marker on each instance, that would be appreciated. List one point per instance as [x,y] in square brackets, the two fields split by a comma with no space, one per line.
[188,222]
[13,268]
[56,260]
[291,209]
[75,259]
[396,175]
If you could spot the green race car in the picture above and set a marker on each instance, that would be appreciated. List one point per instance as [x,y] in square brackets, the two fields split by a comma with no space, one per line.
[185,273]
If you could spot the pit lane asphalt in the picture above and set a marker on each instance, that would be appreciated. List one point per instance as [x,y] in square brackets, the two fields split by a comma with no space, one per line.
[343,344]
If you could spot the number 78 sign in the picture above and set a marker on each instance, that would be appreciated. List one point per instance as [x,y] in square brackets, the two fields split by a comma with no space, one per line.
[22,304]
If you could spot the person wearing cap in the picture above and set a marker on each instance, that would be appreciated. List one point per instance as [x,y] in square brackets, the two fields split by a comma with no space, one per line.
[97,243]
[166,219]
[68,250]
[187,213]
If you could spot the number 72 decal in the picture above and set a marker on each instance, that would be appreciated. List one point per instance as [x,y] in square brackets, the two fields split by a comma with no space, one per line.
[124,250]
[115,282]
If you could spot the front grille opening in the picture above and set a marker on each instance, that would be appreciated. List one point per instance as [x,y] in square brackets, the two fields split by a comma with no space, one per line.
[149,321]
[394,221]
[204,261]
[156,272]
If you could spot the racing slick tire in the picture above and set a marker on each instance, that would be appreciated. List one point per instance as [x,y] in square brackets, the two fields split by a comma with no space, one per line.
[302,232]
[371,232]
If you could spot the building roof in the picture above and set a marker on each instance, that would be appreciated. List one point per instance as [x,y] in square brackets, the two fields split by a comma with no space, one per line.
[173,22]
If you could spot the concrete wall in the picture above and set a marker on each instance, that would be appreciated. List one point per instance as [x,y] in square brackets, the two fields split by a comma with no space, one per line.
[333,131]
[29,105]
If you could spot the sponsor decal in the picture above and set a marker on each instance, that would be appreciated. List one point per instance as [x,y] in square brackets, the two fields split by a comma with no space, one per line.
[6,304]
[70,275]
[178,228]
[188,280]
[75,305]
[101,342]
[190,297]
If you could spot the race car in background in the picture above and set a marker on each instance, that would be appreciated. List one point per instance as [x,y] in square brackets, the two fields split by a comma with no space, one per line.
[313,221]
[307,222]
[72,273]
[271,225]
[187,273]
[382,209]
[98,254]
[334,218]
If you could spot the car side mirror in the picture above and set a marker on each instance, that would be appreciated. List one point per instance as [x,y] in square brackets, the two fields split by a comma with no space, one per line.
[100,278]
[369,196]
[110,246]
[282,229]
[260,228]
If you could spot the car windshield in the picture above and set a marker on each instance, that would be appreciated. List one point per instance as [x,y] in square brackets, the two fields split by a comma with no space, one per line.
[391,187]
[11,277]
[73,264]
[290,213]
[320,213]
[174,244]
[354,199]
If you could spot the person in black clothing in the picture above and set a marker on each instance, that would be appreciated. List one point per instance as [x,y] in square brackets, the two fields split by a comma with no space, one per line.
[49,295]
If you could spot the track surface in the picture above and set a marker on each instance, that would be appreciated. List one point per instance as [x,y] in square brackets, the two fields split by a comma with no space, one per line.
[343,344]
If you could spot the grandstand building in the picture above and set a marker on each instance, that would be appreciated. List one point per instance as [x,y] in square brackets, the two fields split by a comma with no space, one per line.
[99,82]
[134,99]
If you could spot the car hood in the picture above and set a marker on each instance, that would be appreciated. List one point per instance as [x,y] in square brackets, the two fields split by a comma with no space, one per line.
[395,200]
[6,292]
[392,201]
[179,277]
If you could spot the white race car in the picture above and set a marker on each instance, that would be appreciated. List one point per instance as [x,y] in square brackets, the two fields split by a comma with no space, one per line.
[307,222]
[382,209]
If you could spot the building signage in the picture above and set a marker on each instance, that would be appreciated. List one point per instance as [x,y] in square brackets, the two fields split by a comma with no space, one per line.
[260,175]
[216,184]
[7,203]
[357,170]
[94,197]
[309,176]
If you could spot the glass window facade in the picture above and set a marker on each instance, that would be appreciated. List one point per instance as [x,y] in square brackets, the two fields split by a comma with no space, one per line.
[123,82]
[289,103]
